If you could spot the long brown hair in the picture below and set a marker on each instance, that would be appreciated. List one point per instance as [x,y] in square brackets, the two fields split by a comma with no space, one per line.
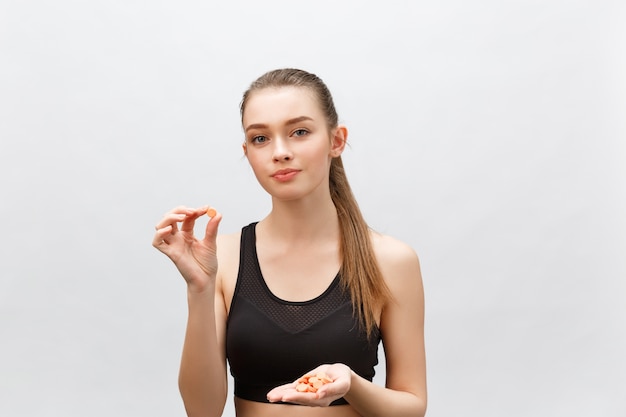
[359,272]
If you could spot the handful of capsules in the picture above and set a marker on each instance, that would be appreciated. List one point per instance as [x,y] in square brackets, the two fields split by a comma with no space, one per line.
[311,383]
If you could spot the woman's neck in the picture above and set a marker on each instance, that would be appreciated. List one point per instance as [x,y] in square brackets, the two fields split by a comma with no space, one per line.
[302,220]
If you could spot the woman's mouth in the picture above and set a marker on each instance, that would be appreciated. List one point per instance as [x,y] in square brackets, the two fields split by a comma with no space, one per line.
[284,175]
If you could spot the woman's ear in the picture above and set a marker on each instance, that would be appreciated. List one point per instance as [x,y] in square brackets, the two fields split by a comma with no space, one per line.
[245,149]
[338,141]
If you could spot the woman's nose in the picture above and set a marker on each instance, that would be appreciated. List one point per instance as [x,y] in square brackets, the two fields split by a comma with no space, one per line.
[282,151]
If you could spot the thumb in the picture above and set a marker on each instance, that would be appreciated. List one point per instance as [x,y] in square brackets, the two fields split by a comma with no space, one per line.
[210,233]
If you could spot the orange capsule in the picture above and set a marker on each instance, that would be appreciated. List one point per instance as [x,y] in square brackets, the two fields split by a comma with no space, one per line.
[317,384]
[312,383]
[302,387]
[211,212]
[323,377]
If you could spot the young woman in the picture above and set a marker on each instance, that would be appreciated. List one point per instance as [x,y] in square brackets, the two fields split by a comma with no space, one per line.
[309,288]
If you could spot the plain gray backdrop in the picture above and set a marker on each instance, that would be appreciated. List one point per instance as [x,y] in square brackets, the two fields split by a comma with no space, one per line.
[489,135]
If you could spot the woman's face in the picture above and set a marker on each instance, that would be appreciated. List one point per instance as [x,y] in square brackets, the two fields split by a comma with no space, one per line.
[288,143]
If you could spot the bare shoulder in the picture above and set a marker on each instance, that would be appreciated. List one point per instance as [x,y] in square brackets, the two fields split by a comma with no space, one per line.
[399,265]
[398,260]
[390,247]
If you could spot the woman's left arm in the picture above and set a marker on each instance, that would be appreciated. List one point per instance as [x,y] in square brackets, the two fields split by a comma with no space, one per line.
[402,329]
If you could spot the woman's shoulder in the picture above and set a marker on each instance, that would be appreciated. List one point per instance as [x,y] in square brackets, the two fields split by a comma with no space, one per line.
[391,249]
[397,260]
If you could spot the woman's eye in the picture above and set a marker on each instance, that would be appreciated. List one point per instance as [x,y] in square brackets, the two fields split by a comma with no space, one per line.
[258,139]
[300,132]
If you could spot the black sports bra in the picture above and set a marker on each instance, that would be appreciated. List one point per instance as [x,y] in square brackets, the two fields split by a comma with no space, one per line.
[271,342]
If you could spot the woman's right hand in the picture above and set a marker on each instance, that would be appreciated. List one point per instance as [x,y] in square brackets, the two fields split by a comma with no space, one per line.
[195,259]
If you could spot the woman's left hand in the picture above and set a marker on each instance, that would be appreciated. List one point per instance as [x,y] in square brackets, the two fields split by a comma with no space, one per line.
[326,394]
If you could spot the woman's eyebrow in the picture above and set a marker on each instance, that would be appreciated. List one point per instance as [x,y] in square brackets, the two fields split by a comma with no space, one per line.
[287,123]
[298,120]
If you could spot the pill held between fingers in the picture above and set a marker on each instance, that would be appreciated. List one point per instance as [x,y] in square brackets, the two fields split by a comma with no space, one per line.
[211,212]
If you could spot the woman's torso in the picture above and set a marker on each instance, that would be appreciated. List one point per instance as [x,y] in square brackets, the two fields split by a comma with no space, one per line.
[229,268]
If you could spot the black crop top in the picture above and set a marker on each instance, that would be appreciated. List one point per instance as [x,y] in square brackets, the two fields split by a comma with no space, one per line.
[271,342]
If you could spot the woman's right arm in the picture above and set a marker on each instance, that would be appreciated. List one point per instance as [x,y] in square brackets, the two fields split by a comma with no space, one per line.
[202,380]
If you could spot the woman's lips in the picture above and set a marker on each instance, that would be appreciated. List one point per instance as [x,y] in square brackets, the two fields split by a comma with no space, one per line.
[284,175]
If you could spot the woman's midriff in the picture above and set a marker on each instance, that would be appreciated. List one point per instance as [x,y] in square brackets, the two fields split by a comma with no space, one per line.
[247,408]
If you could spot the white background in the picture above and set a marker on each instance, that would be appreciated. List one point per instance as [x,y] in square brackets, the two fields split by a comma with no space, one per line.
[489,135]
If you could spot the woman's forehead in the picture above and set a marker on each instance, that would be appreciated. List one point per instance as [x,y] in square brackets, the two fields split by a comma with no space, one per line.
[273,104]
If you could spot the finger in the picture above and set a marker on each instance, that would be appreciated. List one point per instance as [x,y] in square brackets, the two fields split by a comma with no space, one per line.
[288,393]
[335,389]
[275,394]
[211,230]
[178,213]
[188,223]
[191,217]
[159,240]
[304,398]
[171,219]
[326,391]
[181,210]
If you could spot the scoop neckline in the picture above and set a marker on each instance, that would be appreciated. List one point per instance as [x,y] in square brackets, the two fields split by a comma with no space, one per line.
[257,265]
